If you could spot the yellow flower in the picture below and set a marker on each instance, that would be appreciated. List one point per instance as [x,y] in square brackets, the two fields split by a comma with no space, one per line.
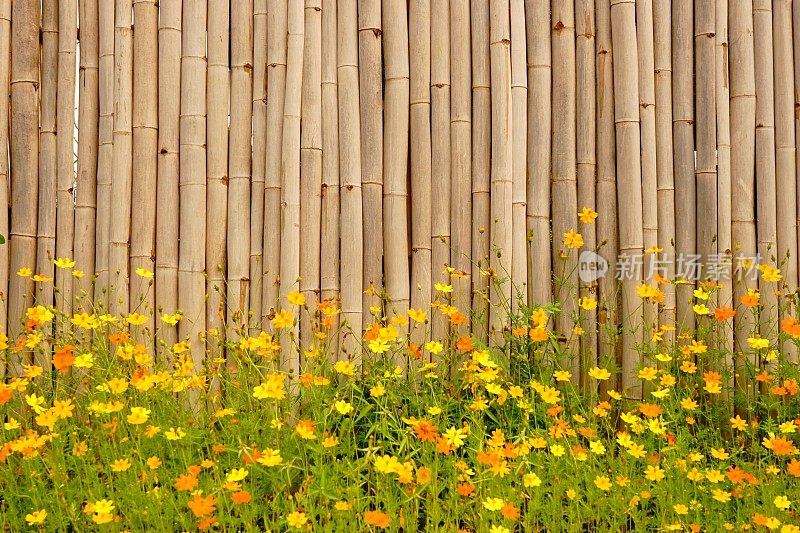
[417,315]
[454,437]
[680,509]
[270,457]
[77,274]
[587,303]
[531,480]
[139,415]
[493,504]
[587,215]
[443,287]
[135,319]
[144,273]
[284,319]
[296,298]
[345,367]
[738,423]
[701,309]
[154,462]
[757,343]
[343,408]
[273,387]
[24,272]
[721,495]
[573,239]
[343,505]
[36,517]
[654,473]
[39,278]
[35,402]
[174,434]
[599,373]
[120,465]
[377,391]
[171,319]
[379,346]
[434,347]
[64,262]
[782,502]
[562,375]
[603,483]
[297,519]
[237,474]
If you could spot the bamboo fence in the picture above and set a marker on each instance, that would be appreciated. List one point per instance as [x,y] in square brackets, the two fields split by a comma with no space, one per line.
[350,149]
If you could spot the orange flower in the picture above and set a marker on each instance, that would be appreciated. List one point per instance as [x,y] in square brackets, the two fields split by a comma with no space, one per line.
[425,430]
[712,377]
[458,318]
[414,350]
[465,489]
[724,313]
[509,511]
[185,482]
[119,337]
[780,445]
[377,519]
[442,446]
[206,523]
[241,497]
[751,300]
[790,326]
[372,332]
[464,344]
[736,475]
[202,506]
[793,467]
[194,470]
[5,394]
[650,410]
[538,334]
[64,358]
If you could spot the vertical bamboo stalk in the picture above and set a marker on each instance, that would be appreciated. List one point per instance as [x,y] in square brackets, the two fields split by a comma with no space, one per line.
[419,37]
[168,194]
[481,164]
[5,71]
[440,151]
[290,174]
[256,268]
[243,107]
[329,230]
[105,156]
[785,154]
[24,148]
[48,153]
[120,231]
[276,91]
[370,72]
[586,158]
[460,148]
[607,236]
[350,177]
[647,119]
[65,156]
[796,42]
[502,161]
[743,117]
[519,104]
[629,184]
[395,153]
[766,194]
[218,95]
[145,155]
[86,200]
[683,152]
[311,163]
[192,260]
[706,130]
[563,178]
[722,97]
[662,35]
[540,273]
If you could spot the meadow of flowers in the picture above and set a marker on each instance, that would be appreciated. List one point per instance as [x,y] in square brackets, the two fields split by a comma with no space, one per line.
[120,431]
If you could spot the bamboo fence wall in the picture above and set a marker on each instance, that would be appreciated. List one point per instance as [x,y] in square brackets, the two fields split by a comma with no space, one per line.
[243,149]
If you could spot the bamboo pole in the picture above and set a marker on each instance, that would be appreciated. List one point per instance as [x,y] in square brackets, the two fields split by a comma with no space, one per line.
[766,194]
[440,152]
[119,233]
[290,175]
[5,71]
[86,200]
[105,139]
[683,155]
[785,152]
[168,195]
[395,153]
[65,156]
[243,106]
[145,155]
[48,153]
[24,148]
[706,130]
[311,164]
[329,230]
[502,162]
[481,165]
[460,149]
[540,273]
[276,91]
[350,178]
[519,104]
[724,243]
[607,237]
[647,118]
[192,260]
[629,185]
[662,35]
[218,97]
[370,72]
[419,38]
[563,174]
[586,160]
[743,226]
[255,275]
